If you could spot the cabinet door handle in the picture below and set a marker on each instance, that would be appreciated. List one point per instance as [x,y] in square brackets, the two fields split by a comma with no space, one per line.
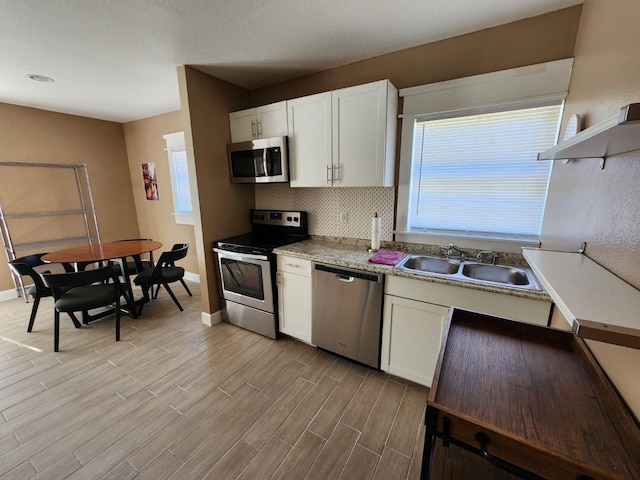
[253,129]
[293,265]
[329,174]
[259,127]
[336,173]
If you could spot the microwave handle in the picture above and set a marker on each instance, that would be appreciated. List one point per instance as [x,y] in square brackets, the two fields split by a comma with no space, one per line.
[260,167]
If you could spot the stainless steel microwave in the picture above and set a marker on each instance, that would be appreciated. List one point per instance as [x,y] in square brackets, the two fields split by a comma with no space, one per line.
[263,160]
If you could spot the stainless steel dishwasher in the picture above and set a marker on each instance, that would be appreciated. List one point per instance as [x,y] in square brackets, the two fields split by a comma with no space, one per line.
[347,312]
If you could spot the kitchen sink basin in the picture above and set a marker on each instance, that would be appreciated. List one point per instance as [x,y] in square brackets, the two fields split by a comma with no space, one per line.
[496,273]
[471,271]
[431,264]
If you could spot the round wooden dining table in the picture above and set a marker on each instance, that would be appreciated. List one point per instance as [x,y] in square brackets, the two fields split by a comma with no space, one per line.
[102,252]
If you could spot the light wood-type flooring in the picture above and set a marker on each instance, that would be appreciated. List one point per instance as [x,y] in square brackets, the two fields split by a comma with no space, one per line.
[177,399]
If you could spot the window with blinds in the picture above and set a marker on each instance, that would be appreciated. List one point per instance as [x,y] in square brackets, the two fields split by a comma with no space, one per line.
[478,174]
[180,175]
[180,186]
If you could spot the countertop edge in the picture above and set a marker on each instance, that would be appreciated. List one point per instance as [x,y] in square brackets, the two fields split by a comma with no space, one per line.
[347,256]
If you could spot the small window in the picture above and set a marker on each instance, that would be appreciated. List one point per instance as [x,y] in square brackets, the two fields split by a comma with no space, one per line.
[477,175]
[180,186]
[468,157]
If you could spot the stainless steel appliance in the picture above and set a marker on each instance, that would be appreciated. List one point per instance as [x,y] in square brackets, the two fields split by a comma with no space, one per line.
[247,268]
[347,312]
[263,160]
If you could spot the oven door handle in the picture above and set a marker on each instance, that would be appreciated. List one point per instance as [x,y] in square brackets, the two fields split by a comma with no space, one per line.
[240,256]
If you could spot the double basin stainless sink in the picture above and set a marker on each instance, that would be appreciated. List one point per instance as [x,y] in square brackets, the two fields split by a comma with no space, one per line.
[471,271]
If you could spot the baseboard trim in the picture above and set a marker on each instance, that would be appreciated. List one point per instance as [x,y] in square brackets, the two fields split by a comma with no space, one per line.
[8,295]
[192,277]
[211,319]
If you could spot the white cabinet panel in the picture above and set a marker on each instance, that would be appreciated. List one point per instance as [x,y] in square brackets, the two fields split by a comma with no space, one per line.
[415,313]
[513,307]
[364,125]
[310,140]
[344,138]
[261,122]
[242,125]
[294,297]
[411,337]
[272,120]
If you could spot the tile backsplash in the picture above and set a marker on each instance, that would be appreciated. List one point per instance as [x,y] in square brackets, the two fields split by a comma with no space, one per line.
[334,212]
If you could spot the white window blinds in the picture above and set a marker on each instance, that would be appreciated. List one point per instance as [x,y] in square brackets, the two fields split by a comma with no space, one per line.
[181,176]
[180,185]
[478,175]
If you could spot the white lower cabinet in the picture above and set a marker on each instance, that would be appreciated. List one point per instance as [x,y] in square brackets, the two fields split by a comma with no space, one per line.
[415,313]
[411,335]
[294,297]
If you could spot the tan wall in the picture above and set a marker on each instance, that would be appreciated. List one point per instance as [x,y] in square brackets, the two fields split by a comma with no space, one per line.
[601,206]
[533,40]
[538,39]
[145,144]
[32,135]
[586,203]
[222,209]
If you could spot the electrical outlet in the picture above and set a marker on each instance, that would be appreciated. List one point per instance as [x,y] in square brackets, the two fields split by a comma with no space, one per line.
[344,217]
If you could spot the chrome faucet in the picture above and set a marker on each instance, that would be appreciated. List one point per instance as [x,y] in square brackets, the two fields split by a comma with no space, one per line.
[487,253]
[453,248]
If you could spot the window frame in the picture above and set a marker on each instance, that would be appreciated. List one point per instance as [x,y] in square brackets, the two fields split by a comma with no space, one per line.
[517,88]
[175,143]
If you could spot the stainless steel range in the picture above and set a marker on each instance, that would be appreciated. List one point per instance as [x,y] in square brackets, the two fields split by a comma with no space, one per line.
[248,268]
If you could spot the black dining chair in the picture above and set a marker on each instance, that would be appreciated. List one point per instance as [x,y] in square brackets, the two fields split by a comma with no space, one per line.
[163,273]
[83,291]
[138,264]
[25,266]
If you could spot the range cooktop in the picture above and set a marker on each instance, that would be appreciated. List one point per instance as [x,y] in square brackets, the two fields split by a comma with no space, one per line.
[270,229]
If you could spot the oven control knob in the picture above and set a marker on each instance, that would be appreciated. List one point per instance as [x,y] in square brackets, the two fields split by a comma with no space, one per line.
[295,219]
[288,219]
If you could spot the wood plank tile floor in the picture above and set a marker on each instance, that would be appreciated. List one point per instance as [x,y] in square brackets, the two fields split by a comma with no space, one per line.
[177,399]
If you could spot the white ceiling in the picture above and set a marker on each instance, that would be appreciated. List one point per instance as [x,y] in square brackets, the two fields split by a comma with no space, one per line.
[116,59]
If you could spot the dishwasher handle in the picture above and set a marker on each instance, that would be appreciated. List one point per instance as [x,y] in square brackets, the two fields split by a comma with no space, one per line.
[347,275]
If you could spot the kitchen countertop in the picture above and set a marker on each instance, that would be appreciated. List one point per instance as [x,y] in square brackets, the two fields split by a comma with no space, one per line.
[354,255]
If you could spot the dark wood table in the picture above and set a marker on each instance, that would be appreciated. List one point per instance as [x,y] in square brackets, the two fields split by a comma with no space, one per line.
[531,400]
[102,252]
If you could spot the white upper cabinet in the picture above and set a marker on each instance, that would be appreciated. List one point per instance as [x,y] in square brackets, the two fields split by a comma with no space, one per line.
[344,138]
[364,122]
[310,140]
[260,122]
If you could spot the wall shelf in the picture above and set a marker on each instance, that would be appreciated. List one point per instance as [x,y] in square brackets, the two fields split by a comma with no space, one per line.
[56,242]
[618,134]
[24,231]
[598,305]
